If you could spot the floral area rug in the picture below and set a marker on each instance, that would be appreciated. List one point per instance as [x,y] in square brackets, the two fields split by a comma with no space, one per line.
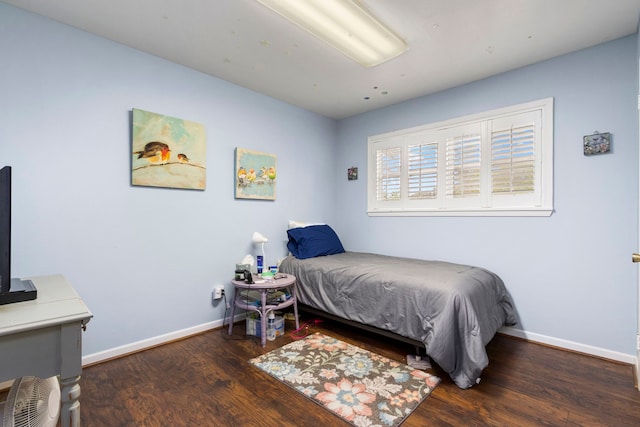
[359,386]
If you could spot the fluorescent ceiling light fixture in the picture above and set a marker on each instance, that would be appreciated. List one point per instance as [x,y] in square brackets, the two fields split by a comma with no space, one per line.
[344,24]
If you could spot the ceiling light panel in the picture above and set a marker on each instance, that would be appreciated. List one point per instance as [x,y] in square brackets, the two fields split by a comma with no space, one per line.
[344,24]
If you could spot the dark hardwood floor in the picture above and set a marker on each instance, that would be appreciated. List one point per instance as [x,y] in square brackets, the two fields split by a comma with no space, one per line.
[205,380]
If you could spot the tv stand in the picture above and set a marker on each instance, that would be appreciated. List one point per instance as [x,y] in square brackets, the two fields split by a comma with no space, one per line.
[21,290]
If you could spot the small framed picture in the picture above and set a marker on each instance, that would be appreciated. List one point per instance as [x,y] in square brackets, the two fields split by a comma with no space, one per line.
[597,143]
[352,173]
[255,176]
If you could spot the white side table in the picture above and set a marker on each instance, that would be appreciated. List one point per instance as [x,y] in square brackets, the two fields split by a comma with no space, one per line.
[264,286]
[43,338]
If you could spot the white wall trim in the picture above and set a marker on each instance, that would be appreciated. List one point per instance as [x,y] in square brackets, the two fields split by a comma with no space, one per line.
[113,353]
[183,333]
[570,345]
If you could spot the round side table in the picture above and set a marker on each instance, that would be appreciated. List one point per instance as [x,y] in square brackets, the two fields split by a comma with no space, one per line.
[264,286]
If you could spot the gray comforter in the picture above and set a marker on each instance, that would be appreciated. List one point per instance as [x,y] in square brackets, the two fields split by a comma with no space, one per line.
[455,310]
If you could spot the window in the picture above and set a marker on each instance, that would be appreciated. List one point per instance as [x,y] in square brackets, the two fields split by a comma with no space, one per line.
[498,163]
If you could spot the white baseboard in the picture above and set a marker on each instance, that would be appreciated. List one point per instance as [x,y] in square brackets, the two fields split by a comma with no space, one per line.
[172,336]
[570,345]
[154,341]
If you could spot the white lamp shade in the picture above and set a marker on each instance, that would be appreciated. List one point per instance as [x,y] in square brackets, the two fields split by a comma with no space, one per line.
[259,238]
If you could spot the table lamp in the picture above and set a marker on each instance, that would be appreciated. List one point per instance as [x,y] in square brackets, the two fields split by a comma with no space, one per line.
[259,239]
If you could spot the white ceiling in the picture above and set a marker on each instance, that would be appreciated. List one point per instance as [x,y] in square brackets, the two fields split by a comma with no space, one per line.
[451,42]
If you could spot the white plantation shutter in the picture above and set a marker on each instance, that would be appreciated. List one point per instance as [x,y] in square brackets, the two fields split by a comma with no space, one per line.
[516,160]
[422,165]
[513,160]
[463,166]
[496,163]
[388,174]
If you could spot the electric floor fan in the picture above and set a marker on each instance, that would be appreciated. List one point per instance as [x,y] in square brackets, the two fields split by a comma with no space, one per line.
[32,402]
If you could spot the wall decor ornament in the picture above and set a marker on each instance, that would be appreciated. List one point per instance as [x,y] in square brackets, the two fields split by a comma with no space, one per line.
[167,152]
[255,175]
[352,173]
[597,143]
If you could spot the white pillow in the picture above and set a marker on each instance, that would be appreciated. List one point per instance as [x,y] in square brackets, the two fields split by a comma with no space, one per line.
[298,224]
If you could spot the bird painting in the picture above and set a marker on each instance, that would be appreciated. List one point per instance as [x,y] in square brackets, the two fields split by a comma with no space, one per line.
[168,152]
[255,175]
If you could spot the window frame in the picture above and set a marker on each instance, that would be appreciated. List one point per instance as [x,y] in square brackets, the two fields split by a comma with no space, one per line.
[539,202]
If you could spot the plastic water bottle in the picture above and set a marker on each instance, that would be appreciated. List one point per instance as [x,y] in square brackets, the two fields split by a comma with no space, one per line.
[271,327]
[260,264]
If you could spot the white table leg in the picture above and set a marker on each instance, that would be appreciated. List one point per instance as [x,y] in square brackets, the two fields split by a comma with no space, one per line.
[70,395]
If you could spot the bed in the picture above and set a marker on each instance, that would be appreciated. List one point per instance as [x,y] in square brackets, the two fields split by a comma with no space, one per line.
[454,310]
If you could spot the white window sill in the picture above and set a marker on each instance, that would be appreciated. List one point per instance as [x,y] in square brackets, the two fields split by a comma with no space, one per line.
[464,212]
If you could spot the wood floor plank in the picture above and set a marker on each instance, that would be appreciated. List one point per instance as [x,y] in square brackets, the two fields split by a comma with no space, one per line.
[206,380]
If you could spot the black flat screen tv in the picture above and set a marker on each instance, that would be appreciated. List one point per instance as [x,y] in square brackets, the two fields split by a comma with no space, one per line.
[11,290]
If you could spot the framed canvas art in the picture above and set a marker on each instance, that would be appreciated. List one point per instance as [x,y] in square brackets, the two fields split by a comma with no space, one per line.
[597,143]
[255,175]
[167,152]
[352,173]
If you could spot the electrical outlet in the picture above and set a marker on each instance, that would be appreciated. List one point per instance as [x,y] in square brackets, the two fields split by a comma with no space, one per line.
[218,292]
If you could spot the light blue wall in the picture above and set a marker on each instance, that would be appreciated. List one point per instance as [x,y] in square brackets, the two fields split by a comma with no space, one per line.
[570,274]
[145,260]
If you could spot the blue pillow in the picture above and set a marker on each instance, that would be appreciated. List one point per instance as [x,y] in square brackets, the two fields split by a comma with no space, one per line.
[313,241]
